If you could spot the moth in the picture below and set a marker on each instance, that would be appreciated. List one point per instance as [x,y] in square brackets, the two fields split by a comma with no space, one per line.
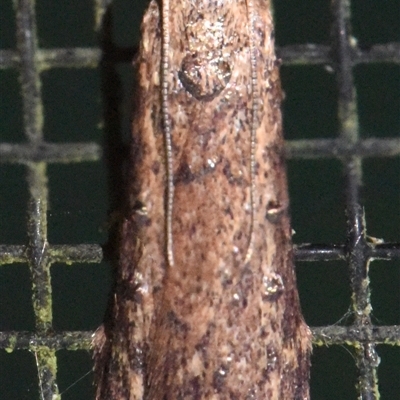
[205,303]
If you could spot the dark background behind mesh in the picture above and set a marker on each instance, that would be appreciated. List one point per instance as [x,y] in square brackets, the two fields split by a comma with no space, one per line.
[92,105]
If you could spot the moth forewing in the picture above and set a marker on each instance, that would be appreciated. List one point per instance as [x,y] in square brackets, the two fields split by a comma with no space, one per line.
[206,305]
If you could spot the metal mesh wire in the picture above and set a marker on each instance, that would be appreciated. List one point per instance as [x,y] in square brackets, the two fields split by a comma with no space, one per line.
[35,154]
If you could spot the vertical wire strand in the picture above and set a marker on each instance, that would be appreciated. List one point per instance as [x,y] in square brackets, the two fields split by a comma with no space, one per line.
[165,32]
[253,128]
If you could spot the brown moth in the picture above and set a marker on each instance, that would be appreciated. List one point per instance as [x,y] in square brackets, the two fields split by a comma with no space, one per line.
[205,304]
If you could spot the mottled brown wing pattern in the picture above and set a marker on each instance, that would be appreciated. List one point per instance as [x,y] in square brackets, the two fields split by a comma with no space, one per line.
[220,321]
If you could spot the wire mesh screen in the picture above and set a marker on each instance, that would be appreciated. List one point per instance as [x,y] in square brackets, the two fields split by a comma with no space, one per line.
[66,84]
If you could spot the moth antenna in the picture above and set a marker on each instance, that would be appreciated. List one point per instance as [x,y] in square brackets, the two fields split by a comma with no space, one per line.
[166,120]
[253,128]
